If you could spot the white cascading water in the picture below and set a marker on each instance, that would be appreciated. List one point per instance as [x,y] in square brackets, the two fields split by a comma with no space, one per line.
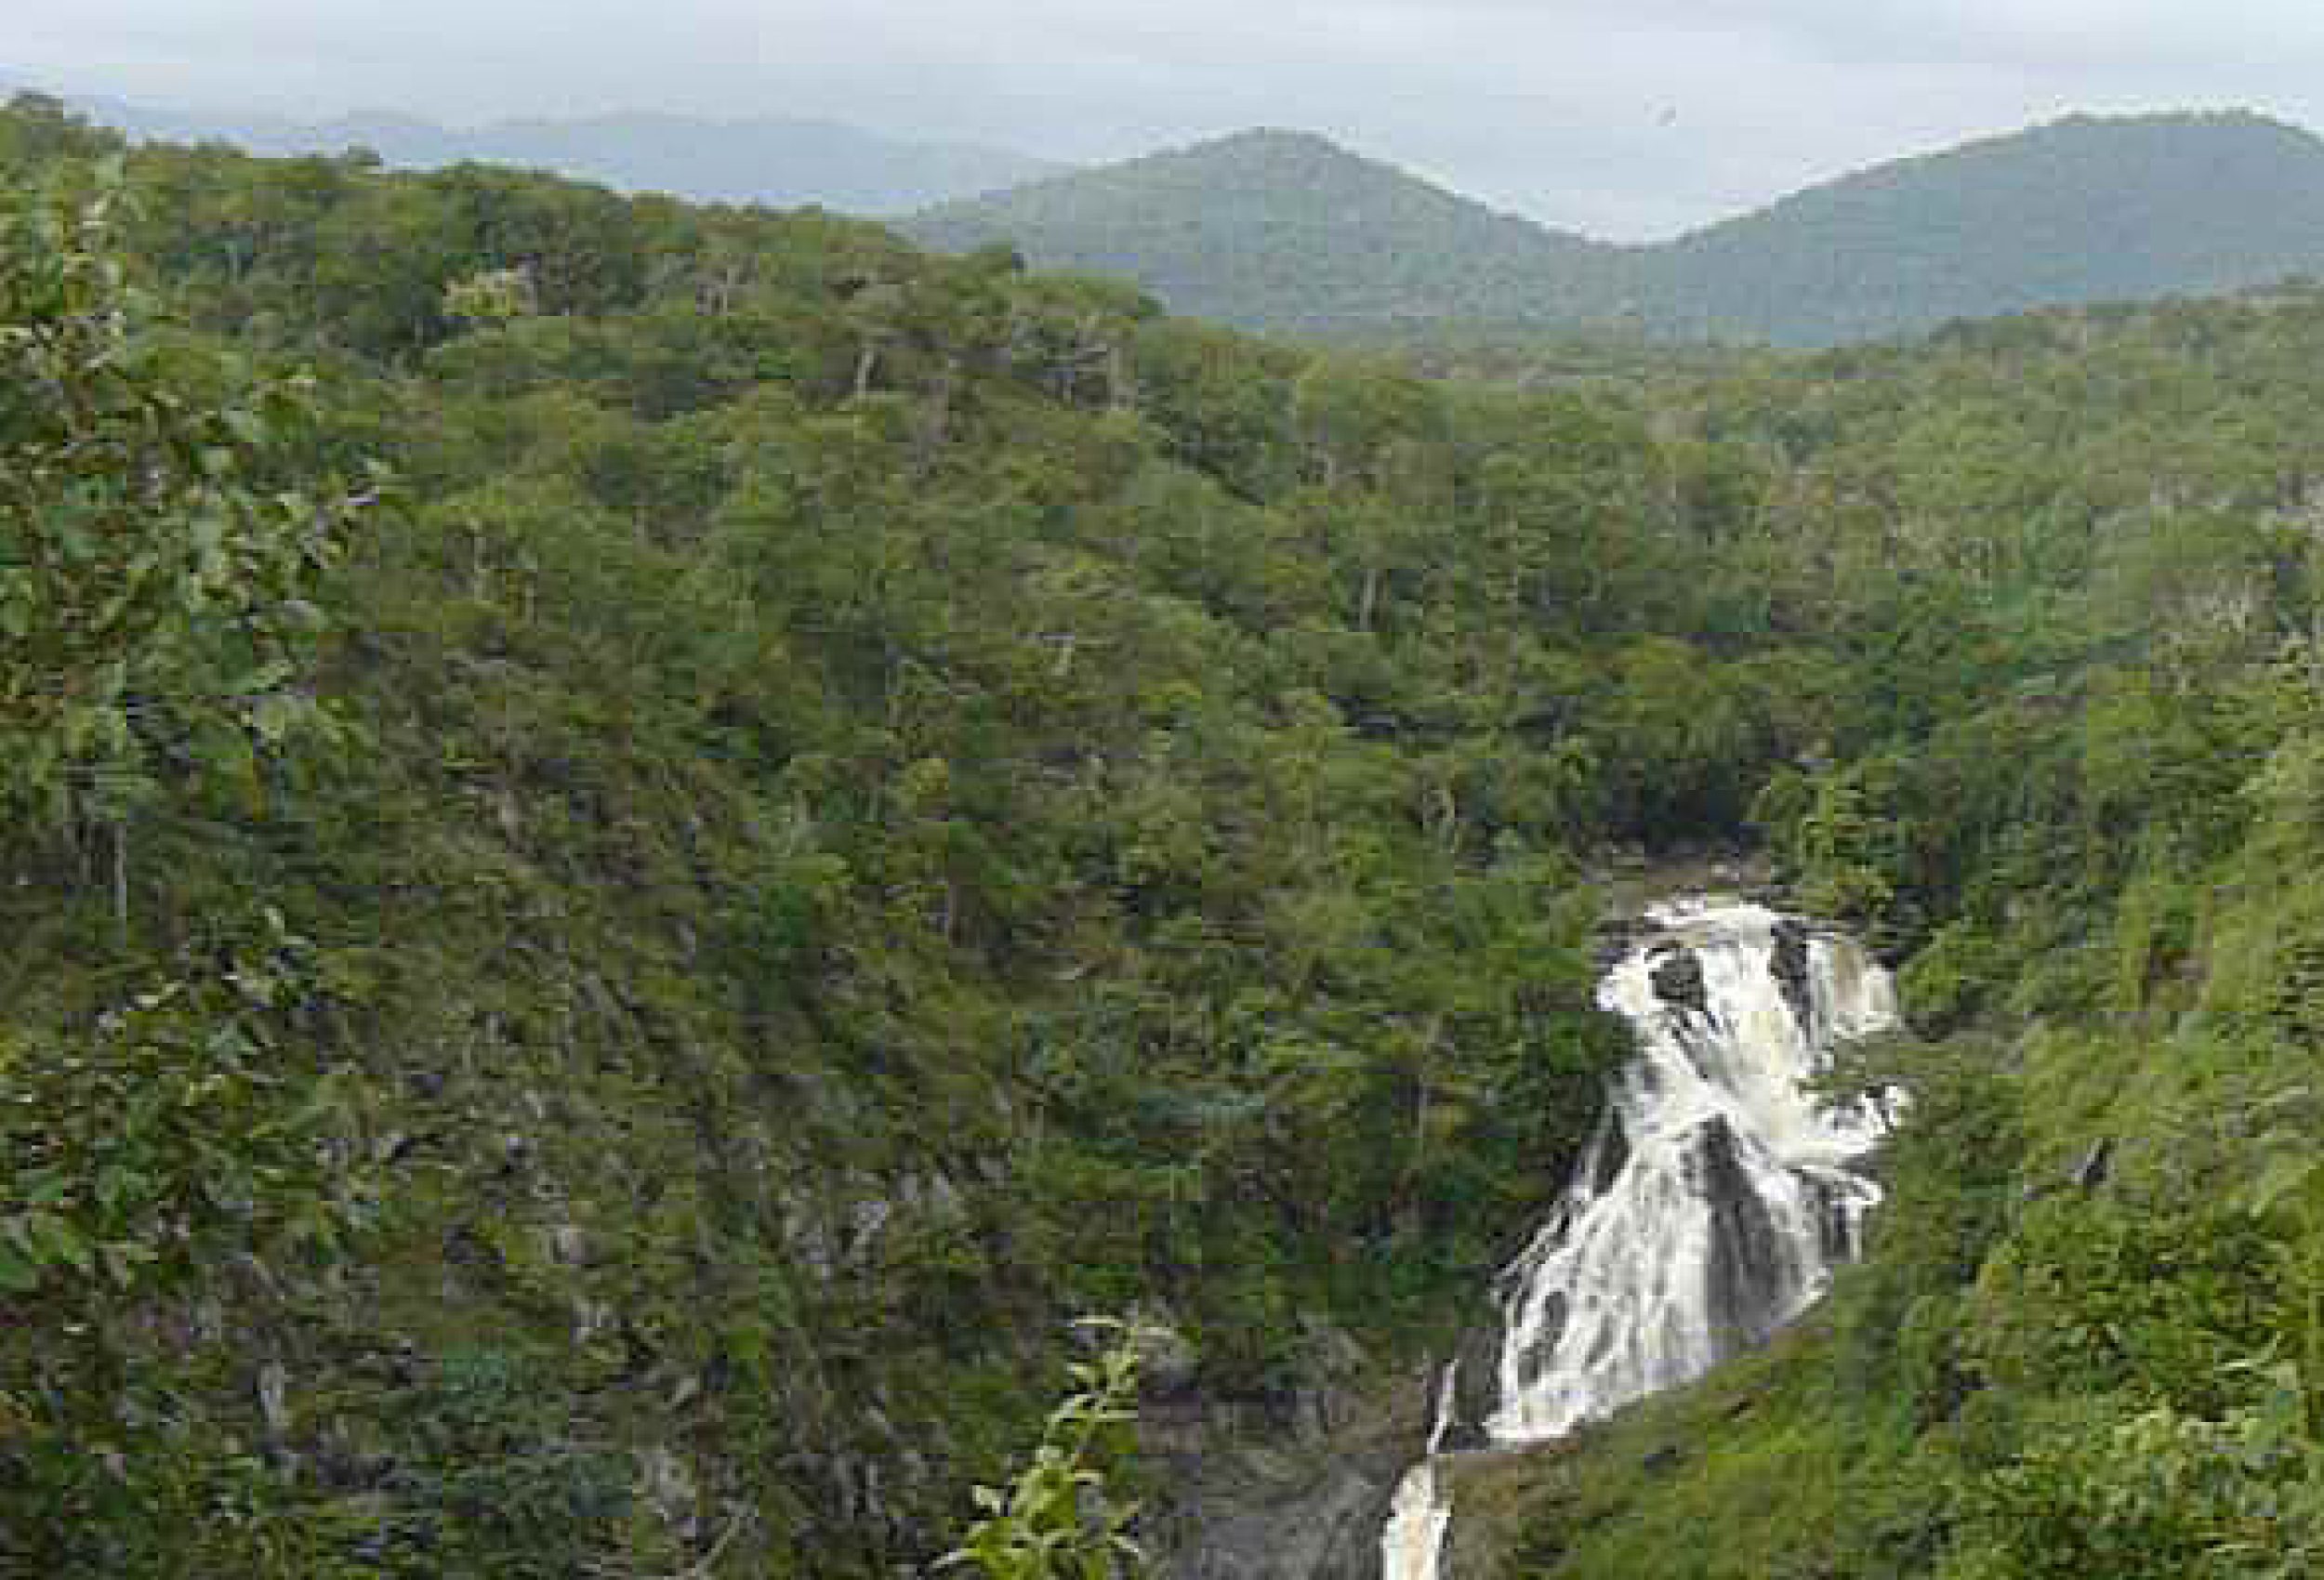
[1714,1202]
[1418,1520]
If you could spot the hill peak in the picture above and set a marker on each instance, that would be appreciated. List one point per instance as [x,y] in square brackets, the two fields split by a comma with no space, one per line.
[1284,228]
[2228,118]
[1268,138]
[1292,169]
[1280,144]
[1270,227]
[2083,209]
[2179,132]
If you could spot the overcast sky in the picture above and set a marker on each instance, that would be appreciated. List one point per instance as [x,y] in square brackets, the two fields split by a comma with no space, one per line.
[1630,119]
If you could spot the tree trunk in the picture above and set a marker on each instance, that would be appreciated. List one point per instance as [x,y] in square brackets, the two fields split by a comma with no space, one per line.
[121,882]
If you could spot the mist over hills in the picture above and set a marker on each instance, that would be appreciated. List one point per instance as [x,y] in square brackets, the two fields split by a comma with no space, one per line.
[1287,232]
[780,160]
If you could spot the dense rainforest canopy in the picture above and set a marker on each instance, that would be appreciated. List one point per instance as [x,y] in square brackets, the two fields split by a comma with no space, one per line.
[645,842]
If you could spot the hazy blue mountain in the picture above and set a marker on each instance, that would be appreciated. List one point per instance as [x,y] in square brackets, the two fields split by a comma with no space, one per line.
[777,161]
[1284,230]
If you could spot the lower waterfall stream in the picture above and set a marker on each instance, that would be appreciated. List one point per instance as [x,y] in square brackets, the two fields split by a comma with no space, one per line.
[1712,1205]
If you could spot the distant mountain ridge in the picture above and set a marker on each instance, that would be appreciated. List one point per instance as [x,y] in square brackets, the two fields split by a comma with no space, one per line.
[781,162]
[2085,209]
[1278,230]
[1287,231]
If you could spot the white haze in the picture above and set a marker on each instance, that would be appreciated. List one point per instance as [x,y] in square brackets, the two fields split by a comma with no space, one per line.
[1626,118]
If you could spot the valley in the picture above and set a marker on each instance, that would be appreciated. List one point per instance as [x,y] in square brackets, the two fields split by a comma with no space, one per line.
[646,843]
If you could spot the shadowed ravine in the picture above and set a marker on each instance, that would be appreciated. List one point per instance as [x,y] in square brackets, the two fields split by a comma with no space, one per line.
[1713,1203]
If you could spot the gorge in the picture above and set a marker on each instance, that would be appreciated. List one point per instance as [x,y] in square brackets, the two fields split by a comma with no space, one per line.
[647,844]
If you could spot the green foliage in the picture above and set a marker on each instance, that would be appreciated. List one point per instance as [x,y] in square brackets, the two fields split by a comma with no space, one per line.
[2092,1297]
[899,799]
[186,1140]
[502,1481]
[2003,224]
[1055,1519]
[889,801]
[1838,845]
[1284,232]
[1951,1178]
[2292,1186]
[156,583]
[1952,978]
[2156,1494]
[493,297]
[1281,230]
[182,1123]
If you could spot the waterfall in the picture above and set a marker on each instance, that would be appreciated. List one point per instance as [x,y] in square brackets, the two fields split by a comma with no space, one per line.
[1419,1519]
[1711,1204]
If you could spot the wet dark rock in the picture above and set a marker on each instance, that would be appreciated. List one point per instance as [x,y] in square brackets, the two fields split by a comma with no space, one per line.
[1246,1492]
[1616,937]
[1790,967]
[1476,1388]
[1329,1530]
[1751,1276]
[1245,1499]
[1612,1150]
[1835,1226]
[1677,976]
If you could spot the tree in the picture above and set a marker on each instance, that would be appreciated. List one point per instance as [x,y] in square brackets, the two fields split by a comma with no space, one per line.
[190,1136]
[156,579]
[1054,1521]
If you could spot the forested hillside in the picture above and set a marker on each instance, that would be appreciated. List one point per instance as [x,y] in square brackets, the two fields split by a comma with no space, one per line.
[2088,1338]
[839,808]
[645,842]
[1273,231]
[1280,229]
[2087,210]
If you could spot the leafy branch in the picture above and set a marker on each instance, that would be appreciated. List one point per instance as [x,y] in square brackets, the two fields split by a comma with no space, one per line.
[1055,1520]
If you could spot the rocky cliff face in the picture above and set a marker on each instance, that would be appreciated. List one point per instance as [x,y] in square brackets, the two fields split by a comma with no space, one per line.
[1322,1527]
[1294,1487]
